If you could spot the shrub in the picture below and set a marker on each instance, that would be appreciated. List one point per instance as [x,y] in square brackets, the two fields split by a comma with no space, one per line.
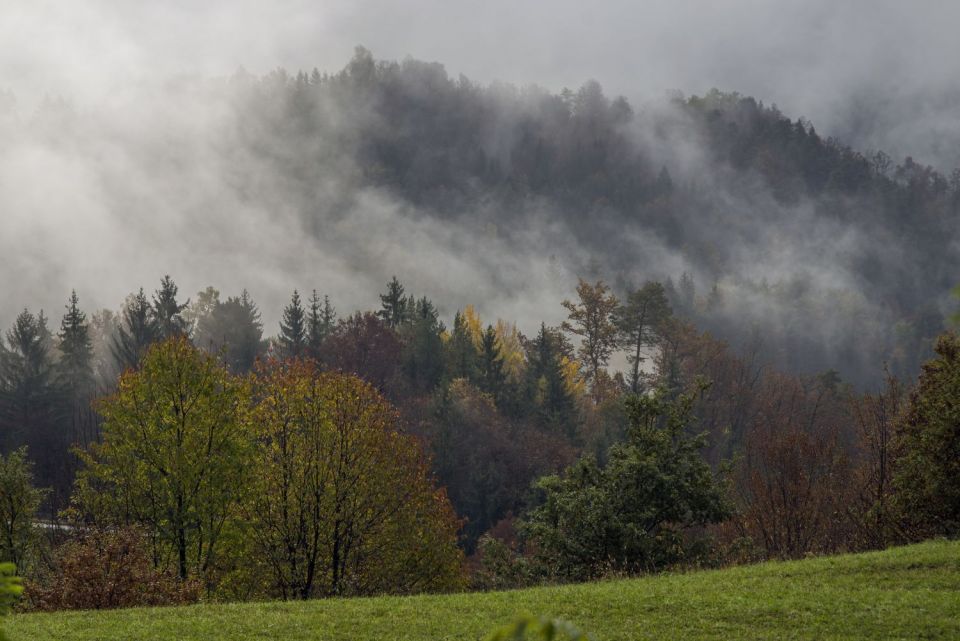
[107,569]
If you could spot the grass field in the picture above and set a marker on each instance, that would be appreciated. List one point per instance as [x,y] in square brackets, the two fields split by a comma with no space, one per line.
[905,593]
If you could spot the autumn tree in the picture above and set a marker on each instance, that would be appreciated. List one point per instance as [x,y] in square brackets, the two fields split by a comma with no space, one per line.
[638,322]
[173,456]
[591,319]
[364,345]
[342,502]
[793,475]
[874,418]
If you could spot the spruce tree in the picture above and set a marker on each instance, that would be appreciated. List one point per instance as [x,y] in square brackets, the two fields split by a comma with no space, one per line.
[75,367]
[492,376]
[137,331]
[320,324]
[293,329]
[545,379]
[395,307]
[27,391]
[167,313]
[461,352]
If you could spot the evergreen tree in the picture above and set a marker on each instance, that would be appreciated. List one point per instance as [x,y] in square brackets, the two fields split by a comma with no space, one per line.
[26,375]
[461,352]
[137,331]
[293,329]
[234,330]
[75,376]
[422,356]
[546,384]
[492,376]
[76,350]
[643,509]
[395,307]
[167,313]
[926,477]
[320,324]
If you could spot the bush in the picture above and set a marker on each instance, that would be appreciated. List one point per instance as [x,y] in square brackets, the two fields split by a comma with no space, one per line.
[107,569]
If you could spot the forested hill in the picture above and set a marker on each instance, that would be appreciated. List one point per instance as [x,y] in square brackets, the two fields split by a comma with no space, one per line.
[763,231]
[830,257]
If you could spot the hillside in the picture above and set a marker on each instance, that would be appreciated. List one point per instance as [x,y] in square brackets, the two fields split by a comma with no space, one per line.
[903,593]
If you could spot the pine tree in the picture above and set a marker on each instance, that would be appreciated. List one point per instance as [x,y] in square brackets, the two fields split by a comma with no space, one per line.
[137,331]
[395,306]
[76,350]
[293,329]
[167,313]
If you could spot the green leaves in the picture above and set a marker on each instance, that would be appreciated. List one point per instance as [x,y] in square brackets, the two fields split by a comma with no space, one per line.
[630,515]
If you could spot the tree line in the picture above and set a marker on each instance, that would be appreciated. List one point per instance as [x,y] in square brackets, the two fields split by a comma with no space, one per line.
[369,453]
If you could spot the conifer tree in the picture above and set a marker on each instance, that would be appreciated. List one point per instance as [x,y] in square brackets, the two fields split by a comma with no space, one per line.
[137,331]
[167,312]
[423,348]
[461,352]
[546,381]
[395,306]
[26,374]
[320,324]
[293,329]
[492,377]
[76,350]
[75,376]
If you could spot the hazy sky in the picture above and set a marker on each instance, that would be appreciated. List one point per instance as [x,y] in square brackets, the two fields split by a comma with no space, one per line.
[878,73]
[813,58]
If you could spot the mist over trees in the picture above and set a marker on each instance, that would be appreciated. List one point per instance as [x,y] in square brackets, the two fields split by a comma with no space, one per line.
[703,297]
[838,258]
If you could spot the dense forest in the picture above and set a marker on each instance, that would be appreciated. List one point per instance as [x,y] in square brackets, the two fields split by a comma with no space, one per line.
[750,307]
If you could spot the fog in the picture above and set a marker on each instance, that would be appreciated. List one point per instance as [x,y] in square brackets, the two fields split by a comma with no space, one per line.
[119,160]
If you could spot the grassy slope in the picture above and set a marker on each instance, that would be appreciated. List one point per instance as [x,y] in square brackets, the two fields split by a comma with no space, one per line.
[904,593]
